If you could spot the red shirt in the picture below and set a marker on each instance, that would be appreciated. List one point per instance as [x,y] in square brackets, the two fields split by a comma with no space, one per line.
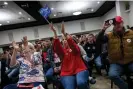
[72,62]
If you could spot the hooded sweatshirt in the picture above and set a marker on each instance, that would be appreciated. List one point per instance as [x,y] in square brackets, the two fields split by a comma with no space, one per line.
[72,62]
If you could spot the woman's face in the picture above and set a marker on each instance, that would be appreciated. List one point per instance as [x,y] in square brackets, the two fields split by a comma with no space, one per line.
[26,52]
[83,38]
[25,39]
[65,44]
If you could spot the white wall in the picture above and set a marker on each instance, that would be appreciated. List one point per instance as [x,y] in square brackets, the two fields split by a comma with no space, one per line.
[124,14]
[90,24]
[109,15]
[131,14]
[127,15]
[0,71]
[44,31]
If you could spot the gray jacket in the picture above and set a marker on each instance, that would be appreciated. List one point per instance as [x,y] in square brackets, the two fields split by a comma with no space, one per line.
[83,53]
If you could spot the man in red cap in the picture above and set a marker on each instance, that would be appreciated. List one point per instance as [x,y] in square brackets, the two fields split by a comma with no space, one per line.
[120,49]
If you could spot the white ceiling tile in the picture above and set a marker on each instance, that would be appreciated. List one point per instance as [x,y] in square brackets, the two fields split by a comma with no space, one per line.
[10,13]
[68,7]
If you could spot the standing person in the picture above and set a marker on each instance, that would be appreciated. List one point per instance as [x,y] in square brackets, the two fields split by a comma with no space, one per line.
[31,69]
[120,49]
[73,69]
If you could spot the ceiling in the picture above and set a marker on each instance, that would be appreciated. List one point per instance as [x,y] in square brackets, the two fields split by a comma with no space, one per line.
[66,8]
[62,9]
[11,13]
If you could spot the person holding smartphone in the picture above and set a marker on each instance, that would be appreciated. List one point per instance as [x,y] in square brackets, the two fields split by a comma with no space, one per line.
[120,49]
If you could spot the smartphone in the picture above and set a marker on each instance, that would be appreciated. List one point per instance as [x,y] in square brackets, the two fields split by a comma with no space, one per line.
[109,21]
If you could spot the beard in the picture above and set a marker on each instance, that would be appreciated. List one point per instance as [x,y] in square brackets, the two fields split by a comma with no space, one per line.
[119,29]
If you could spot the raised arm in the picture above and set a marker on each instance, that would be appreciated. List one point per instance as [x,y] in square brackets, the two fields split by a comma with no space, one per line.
[56,44]
[13,61]
[101,37]
[71,43]
[54,30]
[58,48]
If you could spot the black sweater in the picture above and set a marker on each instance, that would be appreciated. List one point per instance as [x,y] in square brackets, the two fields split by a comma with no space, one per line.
[90,49]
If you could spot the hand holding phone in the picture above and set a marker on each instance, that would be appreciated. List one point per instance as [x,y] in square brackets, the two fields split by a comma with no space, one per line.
[107,24]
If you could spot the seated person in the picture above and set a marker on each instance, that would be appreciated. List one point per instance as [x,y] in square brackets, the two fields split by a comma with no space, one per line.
[31,69]
[74,73]
[90,48]
[51,64]
[13,72]
[84,57]
[120,49]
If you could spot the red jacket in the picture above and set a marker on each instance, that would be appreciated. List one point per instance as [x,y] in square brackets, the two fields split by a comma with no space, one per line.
[72,62]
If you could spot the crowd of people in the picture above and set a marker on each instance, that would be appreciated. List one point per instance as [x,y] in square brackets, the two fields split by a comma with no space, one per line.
[68,61]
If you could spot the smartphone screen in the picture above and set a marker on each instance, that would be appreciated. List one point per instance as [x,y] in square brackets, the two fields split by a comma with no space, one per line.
[107,22]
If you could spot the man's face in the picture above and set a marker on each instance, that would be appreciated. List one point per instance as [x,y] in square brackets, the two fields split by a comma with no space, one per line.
[90,38]
[25,39]
[118,27]
[47,43]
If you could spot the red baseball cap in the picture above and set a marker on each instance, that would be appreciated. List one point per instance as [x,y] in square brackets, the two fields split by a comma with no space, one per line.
[118,19]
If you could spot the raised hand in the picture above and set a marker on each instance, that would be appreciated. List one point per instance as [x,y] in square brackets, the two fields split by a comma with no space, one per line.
[52,27]
[106,25]
[62,28]
[15,46]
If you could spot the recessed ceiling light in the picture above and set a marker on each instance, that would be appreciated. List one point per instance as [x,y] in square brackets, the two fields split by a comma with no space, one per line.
[5,3]
[92,10]
[77,13]
[54,14]
[98,2]
[75,5]
[8,21]
[5,16]
[20,13]
[0,24]
[28,18]
[52,8]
